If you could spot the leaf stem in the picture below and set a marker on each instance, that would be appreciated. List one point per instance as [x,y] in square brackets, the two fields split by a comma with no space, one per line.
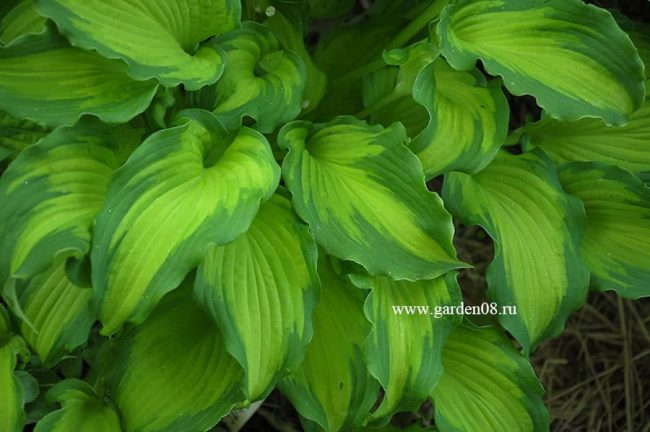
[514,138]
[378,105]
[402,38]
[414,27]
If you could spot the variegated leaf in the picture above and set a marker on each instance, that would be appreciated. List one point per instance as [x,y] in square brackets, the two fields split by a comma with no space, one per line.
[403,351]
[468,119]
[537,229]
[44,79]
[332,386]
[55,314]
[363,194]
[157,38]
[182,189]
[12,395]
[487,386]
[172,372]
[261,290]
[615,245]
[592,140]
[287,23]
[52,191]
[572,57]
[262,80]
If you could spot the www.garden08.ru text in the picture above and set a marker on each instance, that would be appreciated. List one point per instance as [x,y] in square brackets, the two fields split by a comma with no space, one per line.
[461,309]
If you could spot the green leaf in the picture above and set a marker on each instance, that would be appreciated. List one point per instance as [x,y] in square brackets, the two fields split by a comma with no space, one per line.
[537,229]
[262,80]
[156,38]
[82,410]
[592,140]
[288,26]
[615,244]
[55,315]
[172,372]
[12,395]
[332,386]
[487,385]
[53,190]
[363,194]
[182,189]
[22,18]
[572,57]
[16,134]
[468,119]
[261,290]
[640,35]
[44,79]
[404,351]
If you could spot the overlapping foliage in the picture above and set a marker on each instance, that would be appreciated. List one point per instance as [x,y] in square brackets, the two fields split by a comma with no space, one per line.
[203,201]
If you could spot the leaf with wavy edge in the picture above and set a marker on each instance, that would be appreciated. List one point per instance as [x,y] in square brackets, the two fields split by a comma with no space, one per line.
[537,229]
[404,351]
[261,290]
[12,394]
[468,119]
[572,57]
[55,314]
[44,79]
[363,195]
[615,244]
[22,18]
[487,386]
[172,372]
[332,386]
[16,134]
[592,140]
[182,189]
[156,38]
[262,80]
[82,410]
[640,35]
[53,190]
[287,23]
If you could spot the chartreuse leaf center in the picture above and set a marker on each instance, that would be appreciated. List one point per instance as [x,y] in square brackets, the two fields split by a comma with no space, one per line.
[44,79]
[262,80]
[618,226]
[332,387]
[487,385]
[172,372]
[537,229]
[363,194]
[261,290]
[184,188]
[572,57]
[407,368]
[156,38]
[52,192]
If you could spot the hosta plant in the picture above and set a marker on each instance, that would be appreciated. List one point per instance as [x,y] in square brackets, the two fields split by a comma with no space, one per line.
[204,201]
